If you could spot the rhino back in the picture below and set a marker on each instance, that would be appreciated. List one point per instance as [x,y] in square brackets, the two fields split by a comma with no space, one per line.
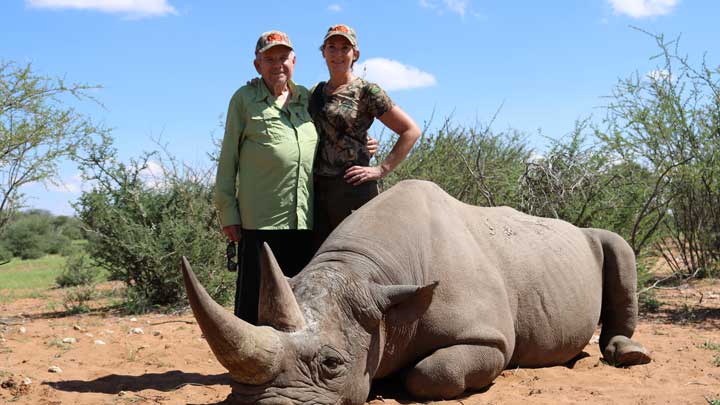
[553,275]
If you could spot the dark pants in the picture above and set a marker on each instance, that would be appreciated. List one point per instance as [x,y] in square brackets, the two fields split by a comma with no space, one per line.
[335,200]
[293,249]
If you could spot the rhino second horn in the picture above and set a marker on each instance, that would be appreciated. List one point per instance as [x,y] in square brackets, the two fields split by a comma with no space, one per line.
[278,306]
[251,354]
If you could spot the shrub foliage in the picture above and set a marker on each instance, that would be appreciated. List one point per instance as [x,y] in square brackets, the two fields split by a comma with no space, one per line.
[79,270]
[139,223]
[35,233]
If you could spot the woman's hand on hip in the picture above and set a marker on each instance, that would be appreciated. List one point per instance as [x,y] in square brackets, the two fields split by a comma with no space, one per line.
[357,175]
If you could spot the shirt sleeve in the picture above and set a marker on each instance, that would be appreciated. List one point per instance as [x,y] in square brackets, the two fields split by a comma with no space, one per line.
[378,102]
[228,163]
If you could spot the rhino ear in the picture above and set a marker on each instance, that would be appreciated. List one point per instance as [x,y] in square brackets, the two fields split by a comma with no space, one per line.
[403,303]
[277,307]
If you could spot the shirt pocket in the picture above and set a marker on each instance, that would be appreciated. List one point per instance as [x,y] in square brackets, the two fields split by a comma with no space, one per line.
[267,128]
[303,122]
[343,112]
[348,106]
[301,116]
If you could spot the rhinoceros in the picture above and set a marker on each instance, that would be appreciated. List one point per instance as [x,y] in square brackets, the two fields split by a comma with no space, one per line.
[420,283]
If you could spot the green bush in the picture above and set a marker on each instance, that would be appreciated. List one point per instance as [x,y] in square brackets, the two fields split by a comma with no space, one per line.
[669,126]
[35,233]
[69,227]
[474,165]
[79,270]
[137,301]
[138,230]
[647,300]
[32,248]
[23,238]
[71,249]
[76,299]
[5,253]
[55,245]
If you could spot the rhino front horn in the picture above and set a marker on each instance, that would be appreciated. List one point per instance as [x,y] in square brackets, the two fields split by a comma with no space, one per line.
[278,306]
[252,354]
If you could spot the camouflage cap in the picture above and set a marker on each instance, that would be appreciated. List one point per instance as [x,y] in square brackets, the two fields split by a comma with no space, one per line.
[343,30]
[272,38]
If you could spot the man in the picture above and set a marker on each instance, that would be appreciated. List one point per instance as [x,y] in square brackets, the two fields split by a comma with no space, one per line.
[268,147]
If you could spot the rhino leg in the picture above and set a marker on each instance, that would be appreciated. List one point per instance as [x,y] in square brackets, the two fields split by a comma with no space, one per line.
[451,370]
[619,303]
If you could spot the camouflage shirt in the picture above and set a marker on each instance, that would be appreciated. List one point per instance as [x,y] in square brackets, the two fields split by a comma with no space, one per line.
[342,121]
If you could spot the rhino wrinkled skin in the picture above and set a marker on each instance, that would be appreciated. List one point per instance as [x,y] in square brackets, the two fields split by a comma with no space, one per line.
[416,281]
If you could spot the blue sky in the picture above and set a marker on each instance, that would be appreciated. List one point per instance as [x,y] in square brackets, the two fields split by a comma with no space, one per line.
[169,67]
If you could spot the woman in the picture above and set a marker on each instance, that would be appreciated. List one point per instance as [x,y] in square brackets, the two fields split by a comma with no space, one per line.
[343,109]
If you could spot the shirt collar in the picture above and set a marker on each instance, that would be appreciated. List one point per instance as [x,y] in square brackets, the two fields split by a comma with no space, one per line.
[263,93]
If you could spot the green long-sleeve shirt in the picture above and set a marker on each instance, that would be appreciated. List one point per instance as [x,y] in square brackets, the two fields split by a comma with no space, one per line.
[264,175]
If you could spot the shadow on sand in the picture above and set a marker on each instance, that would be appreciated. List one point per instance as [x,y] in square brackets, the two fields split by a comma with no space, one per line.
[114,383]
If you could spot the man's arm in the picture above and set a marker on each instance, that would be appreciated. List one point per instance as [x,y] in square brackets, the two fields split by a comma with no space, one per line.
[228,163]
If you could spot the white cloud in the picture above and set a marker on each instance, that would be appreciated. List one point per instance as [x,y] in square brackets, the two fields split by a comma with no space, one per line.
[335,8]
[643,8]
[153,175]
[393,75]
[657,75]
[535,157]
[72,185]
[133,8]
[459,7]
[428,4]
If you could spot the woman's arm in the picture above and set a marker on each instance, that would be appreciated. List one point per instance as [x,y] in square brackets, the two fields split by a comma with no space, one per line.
[399,122]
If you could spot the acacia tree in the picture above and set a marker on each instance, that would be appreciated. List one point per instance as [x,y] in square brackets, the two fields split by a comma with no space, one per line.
[139,227]
[583,181]
[668,123]
[37,130]
[474,165]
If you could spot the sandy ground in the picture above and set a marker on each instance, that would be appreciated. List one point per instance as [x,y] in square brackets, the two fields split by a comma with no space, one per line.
[166,361]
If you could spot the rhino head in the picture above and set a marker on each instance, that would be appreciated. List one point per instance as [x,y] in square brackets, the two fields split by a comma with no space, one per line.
[323,348]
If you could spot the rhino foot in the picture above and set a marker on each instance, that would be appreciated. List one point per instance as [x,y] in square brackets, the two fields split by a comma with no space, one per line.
[623,352]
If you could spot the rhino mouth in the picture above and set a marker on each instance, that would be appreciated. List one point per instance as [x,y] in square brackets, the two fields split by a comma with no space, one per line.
[280,400]
[290,395]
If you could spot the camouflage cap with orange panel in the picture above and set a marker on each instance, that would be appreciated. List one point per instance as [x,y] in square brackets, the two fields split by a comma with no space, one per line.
[272,38]
[343,30]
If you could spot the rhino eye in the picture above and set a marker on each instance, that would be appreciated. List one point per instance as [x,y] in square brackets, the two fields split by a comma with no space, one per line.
[332,363]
